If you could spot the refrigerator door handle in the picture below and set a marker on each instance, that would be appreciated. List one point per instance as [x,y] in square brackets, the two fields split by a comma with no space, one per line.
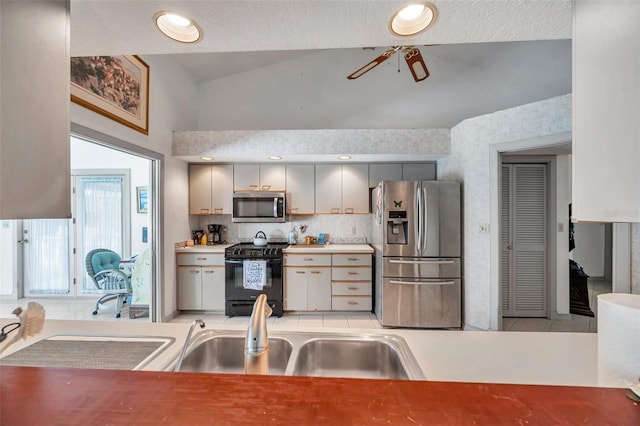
[423,262]
[431,283]
[418,220]
[425,219]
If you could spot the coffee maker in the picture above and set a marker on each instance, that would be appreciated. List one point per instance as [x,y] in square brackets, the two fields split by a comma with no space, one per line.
[214,235]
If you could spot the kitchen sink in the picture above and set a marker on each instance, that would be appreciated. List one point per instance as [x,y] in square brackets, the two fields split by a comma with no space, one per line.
[225,354]
[306,354]
[358,358]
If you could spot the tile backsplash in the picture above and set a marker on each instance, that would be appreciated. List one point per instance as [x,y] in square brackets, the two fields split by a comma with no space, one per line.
[343,228]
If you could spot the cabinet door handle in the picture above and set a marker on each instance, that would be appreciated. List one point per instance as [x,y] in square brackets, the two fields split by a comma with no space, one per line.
[315,272]
[266,187]
[204,211]
[201,258]
[352,288]
[300,272]
[253,186]
[308,259]
[352,302]
[352,259]
[209,271]
[335,210]
[194,271]
[352,273]
[348,210]
[218,210]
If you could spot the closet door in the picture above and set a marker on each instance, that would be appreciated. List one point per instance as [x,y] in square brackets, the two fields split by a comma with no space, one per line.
[524,207]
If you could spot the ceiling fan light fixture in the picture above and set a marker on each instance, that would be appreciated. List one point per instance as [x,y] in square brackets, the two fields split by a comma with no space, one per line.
[177,27]
[413,19]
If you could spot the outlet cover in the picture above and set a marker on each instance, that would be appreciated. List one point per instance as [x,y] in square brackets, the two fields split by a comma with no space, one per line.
[484,228]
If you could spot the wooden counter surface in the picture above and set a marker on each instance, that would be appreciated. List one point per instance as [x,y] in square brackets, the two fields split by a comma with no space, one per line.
[42,396]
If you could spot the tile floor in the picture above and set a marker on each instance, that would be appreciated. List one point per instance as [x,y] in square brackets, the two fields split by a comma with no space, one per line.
[81,308]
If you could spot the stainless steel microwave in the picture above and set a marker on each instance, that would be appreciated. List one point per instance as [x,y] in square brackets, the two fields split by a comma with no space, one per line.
[259,207]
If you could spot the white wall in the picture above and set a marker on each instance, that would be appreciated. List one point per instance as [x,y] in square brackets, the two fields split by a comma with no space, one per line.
[470,161]
[171,107]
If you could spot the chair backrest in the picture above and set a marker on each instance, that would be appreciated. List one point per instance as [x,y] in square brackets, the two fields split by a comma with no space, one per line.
[100,259]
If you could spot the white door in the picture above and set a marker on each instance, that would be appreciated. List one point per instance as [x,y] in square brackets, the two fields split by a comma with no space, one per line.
[47,260]
[523,240]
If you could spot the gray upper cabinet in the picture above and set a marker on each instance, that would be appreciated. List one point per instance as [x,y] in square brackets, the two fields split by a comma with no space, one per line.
[419,171]
[259,177]
[34,128]
[210,188]
[300,189]
[400,171]
[606,108]
[384,171]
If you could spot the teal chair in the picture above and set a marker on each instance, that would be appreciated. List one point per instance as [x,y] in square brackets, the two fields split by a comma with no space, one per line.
[103,267]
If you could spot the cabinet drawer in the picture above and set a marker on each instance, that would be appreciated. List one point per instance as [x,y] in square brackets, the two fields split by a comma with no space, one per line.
[307,260]
[204,259]
[351,303]
[351,289]
[351,274]
[351,260]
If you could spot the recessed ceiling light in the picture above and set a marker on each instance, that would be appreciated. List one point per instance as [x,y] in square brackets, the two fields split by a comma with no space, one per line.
[207,158]
[275,157]
[177,27]
[413,19]
[344,157]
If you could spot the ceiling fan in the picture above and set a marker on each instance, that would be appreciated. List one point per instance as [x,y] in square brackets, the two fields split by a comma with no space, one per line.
[412,56]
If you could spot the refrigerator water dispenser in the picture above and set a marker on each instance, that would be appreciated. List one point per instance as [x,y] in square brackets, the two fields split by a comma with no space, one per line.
[397,223]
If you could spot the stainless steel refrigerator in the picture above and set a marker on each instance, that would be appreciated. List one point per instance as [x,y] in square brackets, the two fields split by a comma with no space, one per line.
[417,241]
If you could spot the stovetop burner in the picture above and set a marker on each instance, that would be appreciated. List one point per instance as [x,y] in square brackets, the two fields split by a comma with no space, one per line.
[251,251]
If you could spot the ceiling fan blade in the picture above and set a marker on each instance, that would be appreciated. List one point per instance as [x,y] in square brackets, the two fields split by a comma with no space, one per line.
[377,61]
[416,64]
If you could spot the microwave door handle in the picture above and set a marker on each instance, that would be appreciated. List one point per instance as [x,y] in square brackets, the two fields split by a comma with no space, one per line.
[275,206]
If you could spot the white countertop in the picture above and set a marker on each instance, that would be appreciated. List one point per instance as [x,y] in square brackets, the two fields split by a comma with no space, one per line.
[458,356]
[329,248]
[297,248]
[217,248]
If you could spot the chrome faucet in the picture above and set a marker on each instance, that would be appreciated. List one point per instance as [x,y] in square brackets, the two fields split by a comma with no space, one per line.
[256,346]
[186,342]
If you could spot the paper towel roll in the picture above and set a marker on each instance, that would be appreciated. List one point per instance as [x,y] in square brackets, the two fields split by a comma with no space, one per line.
[618,339]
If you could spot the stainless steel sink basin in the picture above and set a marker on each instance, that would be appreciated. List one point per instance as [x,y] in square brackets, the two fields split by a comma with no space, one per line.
[367,359]
[225,354]
[307,354]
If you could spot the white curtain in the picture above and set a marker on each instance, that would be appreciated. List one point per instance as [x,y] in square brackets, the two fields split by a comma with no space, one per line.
[100,216]
[48,256]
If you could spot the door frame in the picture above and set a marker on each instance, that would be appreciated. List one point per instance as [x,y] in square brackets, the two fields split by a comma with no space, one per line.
[621,260]
[550,252]
[156,206]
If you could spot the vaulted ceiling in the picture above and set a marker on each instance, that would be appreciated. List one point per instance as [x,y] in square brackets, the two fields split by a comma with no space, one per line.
[483,55]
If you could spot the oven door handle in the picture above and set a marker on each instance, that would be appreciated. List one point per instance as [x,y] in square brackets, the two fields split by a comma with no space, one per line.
[240,261]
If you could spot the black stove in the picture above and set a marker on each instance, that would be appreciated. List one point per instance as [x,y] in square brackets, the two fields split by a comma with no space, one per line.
[251,251]
[239,298]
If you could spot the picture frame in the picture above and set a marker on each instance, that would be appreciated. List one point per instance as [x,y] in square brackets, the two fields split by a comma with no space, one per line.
[142,198]
[114,86]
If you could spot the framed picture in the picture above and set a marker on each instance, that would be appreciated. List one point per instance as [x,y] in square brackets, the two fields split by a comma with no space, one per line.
[114,86]
[143,199]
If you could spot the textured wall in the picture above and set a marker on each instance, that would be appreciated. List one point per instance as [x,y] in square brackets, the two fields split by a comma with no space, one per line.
[469,161]
[635,258]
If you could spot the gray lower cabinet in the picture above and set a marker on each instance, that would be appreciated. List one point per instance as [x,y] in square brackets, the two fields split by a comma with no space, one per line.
[328,282]
[351,282]
[307,282]
[200,282]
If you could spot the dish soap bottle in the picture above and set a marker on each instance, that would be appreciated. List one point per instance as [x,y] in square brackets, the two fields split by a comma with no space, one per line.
[204,240]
